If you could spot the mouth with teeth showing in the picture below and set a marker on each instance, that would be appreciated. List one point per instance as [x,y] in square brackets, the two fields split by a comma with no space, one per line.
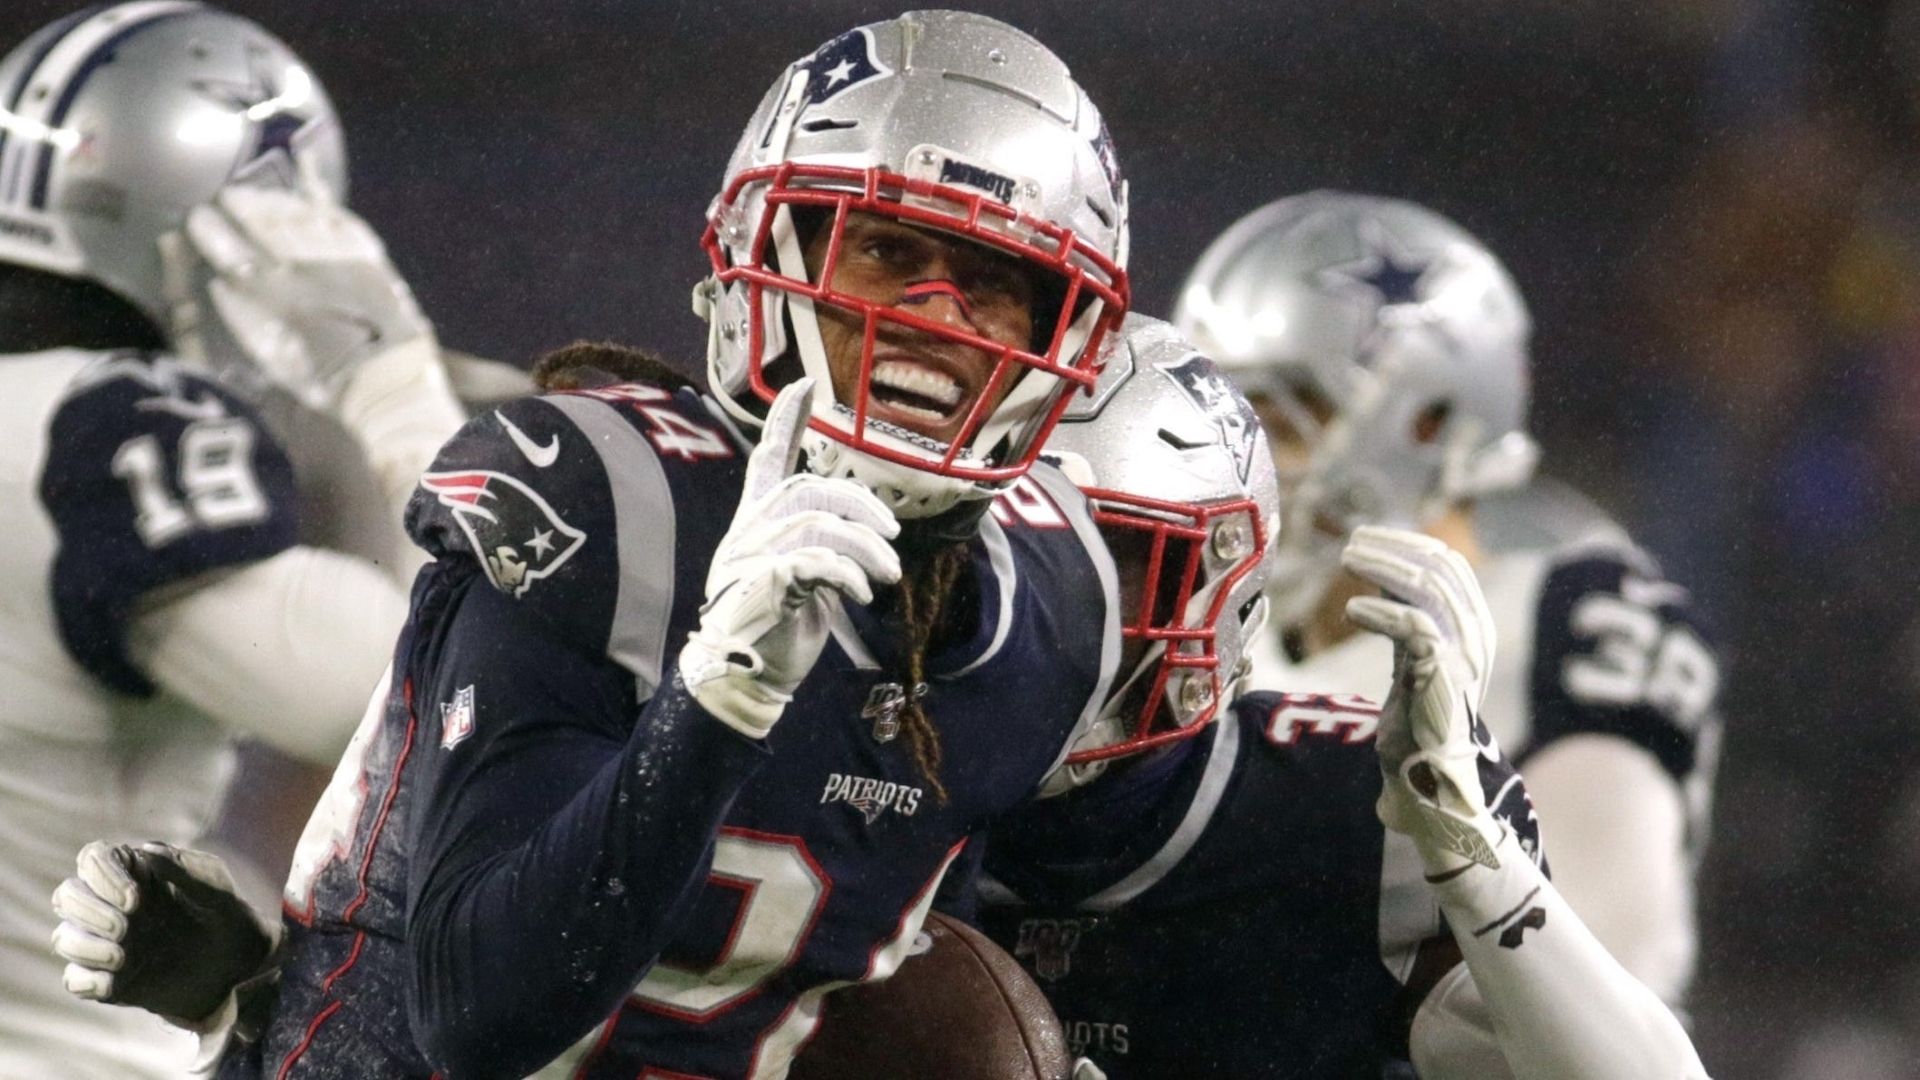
[918,397]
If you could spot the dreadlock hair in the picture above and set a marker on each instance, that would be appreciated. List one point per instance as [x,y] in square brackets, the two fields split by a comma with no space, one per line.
[926,595]
[585,365]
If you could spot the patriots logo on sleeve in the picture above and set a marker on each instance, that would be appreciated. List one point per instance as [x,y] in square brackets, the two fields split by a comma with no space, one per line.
[844,62]
[1109,162]
[516,534]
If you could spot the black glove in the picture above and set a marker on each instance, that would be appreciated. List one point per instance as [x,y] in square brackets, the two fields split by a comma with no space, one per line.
[156,927]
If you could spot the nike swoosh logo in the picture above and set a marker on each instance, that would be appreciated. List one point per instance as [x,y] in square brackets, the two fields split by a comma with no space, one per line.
[541,456]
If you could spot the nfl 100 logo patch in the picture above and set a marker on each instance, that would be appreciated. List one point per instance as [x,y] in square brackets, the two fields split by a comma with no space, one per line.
[456,718]
[1048,945]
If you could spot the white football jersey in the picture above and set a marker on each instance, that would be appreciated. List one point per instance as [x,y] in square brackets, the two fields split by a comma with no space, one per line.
[1591,639]
[121,475]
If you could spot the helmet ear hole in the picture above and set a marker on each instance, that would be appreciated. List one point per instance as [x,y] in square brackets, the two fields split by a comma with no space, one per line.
[1431,422]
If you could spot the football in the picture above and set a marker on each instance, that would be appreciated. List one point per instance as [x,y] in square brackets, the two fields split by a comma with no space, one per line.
[959,1008]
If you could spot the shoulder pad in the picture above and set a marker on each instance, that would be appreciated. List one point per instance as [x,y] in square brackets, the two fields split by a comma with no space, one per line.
[590,509]
[1545,515]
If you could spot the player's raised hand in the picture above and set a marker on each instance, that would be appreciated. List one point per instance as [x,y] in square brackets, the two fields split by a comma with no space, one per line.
[797,543]
[156,927]
[289,288]
[1430,736]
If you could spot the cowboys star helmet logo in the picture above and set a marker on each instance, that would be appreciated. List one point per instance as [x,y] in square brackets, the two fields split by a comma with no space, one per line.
[1214,396]
[280,108]
[515,534]
[1398,280]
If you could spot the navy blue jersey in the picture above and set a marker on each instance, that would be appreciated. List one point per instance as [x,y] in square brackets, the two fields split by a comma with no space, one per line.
[152,476]
[1618,651]
[541,847]
[1233,908]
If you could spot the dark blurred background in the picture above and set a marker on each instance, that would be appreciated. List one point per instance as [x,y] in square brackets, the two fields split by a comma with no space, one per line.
[1710,204]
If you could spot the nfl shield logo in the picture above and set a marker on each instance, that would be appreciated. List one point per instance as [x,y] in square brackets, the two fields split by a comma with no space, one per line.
[456,718]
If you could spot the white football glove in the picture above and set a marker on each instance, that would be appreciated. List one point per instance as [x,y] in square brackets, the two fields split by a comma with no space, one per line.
[798,543]
[289,289]
[1429,739]
[156,927]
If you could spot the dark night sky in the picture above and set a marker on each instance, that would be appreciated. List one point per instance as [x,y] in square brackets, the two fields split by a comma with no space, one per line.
[540,171]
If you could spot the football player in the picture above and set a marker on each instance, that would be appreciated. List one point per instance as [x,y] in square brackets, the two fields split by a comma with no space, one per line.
[1386,351]
[687,723]
[1223,900]
[161,597]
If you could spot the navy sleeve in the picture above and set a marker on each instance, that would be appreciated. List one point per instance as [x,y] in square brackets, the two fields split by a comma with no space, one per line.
[957,893]
[154,476]
[561,840]
[1619,652]
[523,494]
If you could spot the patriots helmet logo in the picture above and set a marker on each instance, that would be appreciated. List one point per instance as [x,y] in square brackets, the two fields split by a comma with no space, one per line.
[1215,396]
[1109,161]
[844,62]
[514,533]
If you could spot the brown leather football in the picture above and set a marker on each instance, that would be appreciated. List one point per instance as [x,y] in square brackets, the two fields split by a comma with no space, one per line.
[961,1010]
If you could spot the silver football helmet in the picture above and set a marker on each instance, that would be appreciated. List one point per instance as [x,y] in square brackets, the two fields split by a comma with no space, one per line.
[114,121]
[1393,347]
[1182,484]
[947,121]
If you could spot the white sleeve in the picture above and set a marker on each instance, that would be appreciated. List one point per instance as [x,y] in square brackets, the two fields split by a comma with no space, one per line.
[1541,989]
[1616,824]
[402,409]
[284,650]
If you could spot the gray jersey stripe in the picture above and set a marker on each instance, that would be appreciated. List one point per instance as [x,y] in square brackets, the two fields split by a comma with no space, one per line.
[1000,559]
[1074,505]
[644,518]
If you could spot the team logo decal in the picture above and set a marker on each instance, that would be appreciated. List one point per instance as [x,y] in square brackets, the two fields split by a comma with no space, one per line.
[870,796]
[1510,804]
[1049,945]
[515,534]
[1109,162]
[1396,279]
[1214,396]
[456,718]
[844,62]
[965,174]
[279,106]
